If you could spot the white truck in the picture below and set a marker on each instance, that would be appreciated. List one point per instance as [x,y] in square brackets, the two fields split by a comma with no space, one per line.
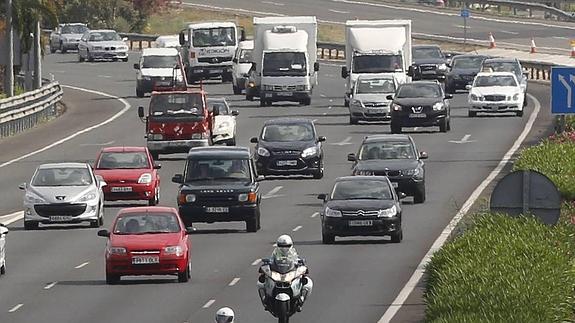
[284,59]
[208,48]
[376,47]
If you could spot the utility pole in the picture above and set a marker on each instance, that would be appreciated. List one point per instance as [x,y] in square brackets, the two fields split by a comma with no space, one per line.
[37,56]
[9,72]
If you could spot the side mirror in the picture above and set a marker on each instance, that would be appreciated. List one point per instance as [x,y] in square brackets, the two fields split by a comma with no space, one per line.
[157,166]
[411,71]
[182,38]
[351,157]
[235,60]
[136,66]
[125,39]
[468,87]
[190,230]
[178,179]
[260,178]
[401,195]
[235,113]
[3,229]
[321,138]
[103,183]
[316,66]
[423,155]
[449,96]
[141,112]
[344,72]
[254,140]
[104,233]
[389,97]
[23,186]
[322,197]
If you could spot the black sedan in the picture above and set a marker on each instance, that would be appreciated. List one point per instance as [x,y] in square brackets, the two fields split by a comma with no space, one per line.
[361,206]
[289,146]
[396,157]
[463,71]
[420,104]
[429,62]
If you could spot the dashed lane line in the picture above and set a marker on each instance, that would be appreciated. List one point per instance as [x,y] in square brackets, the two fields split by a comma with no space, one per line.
[209,303]
[15,308]
[82,265]
[234,281]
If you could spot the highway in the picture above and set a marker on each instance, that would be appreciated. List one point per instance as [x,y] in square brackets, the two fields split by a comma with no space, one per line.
[56,274]
[549,36]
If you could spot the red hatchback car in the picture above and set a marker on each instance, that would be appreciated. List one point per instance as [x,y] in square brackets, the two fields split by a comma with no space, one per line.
[148,241]
[130,173]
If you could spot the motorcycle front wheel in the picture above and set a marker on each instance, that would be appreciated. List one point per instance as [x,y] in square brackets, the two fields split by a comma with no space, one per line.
[283,314]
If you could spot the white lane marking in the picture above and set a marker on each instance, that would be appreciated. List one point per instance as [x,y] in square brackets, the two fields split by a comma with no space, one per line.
[274,3]
[127,106]
[415,129]
[461,26]
[105,76]
[234,281]
[330,107]
[561,37]
[314,120]
[508,32]
[338,11]
[315,214]
[15,308]
[256,262]
[322,95]
[50,285]
[11,218]
[330,75]
[82,265]
[209,303]
[325,113]
[272,193]
[440,241]
[102,144]
[297,228]
[346,141]
[463,140]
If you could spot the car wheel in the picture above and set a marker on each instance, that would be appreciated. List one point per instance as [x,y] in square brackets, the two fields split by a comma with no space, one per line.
[29,225]
[80,57]
[3,269]
[397,236]
[52,49]
[62,49]
[519,113]
[346,103]
[237,90]
[525,101]
[449,124]
[249,97]
[232,142]
[112,279]
[443,125]
[101,219]
[140,93]
[253,224]
[156,200]
[186,275]
[419,196]
[353,120]
[306,101]
[89,57]
[395,128]
[471,114]
[318,174]
[327,238]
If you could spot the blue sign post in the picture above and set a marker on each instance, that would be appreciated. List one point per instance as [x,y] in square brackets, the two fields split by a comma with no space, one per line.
[464,14]
[563,90]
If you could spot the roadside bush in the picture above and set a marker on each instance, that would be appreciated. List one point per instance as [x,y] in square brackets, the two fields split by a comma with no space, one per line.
[504,270]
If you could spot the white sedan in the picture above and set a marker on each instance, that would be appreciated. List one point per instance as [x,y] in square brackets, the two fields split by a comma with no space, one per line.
[224,127]
[495,92]
[102,44]
[3,233]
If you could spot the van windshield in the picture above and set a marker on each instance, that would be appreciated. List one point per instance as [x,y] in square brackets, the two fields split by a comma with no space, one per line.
[160,61]
[206,37]
[177,104]
[284,63]
[377,64]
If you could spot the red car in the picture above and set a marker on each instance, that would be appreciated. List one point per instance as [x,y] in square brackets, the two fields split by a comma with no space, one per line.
[130,173]
[148,241]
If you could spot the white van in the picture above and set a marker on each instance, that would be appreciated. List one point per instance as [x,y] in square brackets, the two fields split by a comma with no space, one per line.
[168,41]
[241,65]
[157,68]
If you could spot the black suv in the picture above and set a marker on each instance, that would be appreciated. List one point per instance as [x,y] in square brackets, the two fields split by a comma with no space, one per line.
[289,146]
[429,62]
[219,184]
[420,104]
[464,68]
[396,157]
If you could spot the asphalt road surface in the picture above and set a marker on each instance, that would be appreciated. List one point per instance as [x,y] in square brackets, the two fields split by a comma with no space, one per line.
[56,274]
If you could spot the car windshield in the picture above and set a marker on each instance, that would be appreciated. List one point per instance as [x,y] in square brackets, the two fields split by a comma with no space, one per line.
[218,169]
[467,62]
[361,189]
[419,91]
[162,61]
[494,80]
[427,52]
[375,86]
[222,36]
[377,64]
[220,106]
[245,56]
[65,176]
[74,29]
[147,223]
[387,150]
[176,104]
[284,63]
[502,67]
[105,36]
[123,160]
[288,132]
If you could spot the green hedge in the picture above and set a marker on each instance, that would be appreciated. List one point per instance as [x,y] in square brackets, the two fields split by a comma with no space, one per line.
[504,270]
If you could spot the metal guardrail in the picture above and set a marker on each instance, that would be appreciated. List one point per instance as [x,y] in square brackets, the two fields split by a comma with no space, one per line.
[26,110]
[525,6]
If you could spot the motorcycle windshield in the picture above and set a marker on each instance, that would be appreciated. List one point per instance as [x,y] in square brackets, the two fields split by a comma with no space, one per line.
[284,265]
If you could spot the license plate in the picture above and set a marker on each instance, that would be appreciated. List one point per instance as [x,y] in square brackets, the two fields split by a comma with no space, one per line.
[59,218]
[121,189]
[360,223]
[269,95]
[284,94]
[418,115]
[163,83]
[375,111]
[145,260]
[287,162]
[394,184]
[217,71]
[217,209]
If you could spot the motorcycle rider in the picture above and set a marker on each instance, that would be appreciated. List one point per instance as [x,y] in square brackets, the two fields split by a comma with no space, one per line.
[285,258]
[225,315]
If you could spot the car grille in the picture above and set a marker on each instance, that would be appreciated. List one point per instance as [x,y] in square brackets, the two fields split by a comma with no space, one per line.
[214,60]
[144,252]
[216,198]
[392,173]
[286,152]
[374,104]
[110,48]
[360,213]
[123,181]
[280,88]
[427,67]
[495,98]
[60,209]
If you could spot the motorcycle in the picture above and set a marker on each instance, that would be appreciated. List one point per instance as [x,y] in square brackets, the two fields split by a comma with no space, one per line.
[284,288]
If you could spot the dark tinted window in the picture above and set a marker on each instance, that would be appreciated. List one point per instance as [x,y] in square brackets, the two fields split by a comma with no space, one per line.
[387,150]
[419,91]
[364,189]
[288,132]
[142,223]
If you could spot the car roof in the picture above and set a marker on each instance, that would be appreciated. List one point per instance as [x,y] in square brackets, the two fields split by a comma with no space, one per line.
[72,24]
[123,149]
[63,165]
[210,24]
[496,74]
[470,55]
[501,59]
[434,82]
[101,31]
[385,137]
[160,51]
[227,151]
[361,178]
[148,209]
[287,120]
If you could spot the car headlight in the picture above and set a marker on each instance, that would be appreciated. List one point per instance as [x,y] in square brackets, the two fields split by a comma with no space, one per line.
[248,197]
[201,135]
[332,213]
[96,48]
[515,96]
[442,67]
[117,250]
[33,198]
[88,197]
[387,213]
[145,178]
[155,136]
[251,84]
[190,198]
[475,97]
[147,78]
[263,152]
[357,103]
[416,172]
[438,106]
[396,107]
[311,151]
[364,173]
[174,250]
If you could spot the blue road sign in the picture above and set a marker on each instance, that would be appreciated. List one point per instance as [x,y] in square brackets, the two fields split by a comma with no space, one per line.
[563,90]
[464,13]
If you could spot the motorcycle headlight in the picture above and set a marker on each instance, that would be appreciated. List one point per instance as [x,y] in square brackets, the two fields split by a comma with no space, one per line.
[33,198]
[438,106]
[174,250]
[387,213]
[145,178]
[117,250]
[263,152]
[311,151]
[332,213]
[88,197]
[515,96]
[442,67]
[396,107]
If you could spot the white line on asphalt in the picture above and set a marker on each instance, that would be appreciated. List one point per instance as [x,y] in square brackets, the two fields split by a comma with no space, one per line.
[102,144]
[105,76]
[15,308]
[322,95]
[508,32]
[463,140]
[461,26]
[346,141]
[330,107]
[72,136]
[315,214]
[82,265]
[325,113]
[234,281]
[297,228]
[561,37]
[274,3]
[338,11]
[256,262]
[11,218]
[314,120]
[272,193]
[440,241]
[209,303]
[50,285]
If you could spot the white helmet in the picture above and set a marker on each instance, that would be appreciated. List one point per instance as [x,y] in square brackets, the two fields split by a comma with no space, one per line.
[225,315]
[284,245]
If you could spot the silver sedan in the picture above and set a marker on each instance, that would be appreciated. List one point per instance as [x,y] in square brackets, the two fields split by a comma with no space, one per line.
[102,44]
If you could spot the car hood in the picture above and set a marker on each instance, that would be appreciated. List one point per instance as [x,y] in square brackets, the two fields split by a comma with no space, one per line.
[386,164]
[491,90]
[292,145]
[372,97]
[416,101]
[116,43]
[220,121]
[224,186]
[69,193]
[360,204]
[429,61]
[145,241]
[115,175]
[162,72]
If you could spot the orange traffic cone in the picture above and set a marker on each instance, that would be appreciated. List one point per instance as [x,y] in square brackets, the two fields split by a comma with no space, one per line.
[491,41]
[533,47]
